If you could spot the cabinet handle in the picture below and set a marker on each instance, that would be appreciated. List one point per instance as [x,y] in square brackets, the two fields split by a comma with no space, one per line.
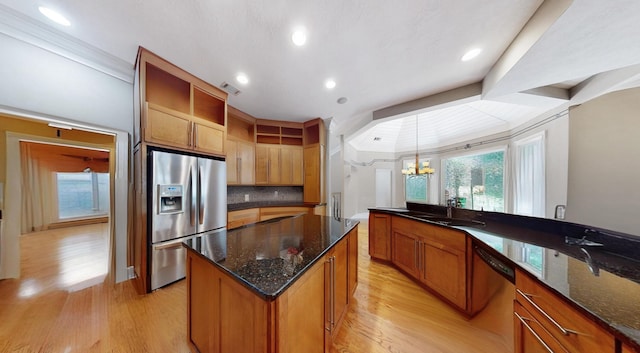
[526,297]
[328,321]
[416,261]
[238,169]
[192,135]
[524,320]
[333,292]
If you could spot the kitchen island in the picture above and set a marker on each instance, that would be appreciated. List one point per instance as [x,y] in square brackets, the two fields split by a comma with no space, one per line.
[276,286]
[576,286]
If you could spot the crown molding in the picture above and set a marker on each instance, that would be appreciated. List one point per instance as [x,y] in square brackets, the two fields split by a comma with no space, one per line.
[26,29]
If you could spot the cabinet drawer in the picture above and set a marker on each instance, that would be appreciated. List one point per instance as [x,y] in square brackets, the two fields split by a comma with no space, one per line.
[275,212]
[240,218]
[574,330]
[434,234]
[446,237]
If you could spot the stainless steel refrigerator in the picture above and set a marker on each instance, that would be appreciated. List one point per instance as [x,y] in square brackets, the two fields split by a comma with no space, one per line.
[189,198]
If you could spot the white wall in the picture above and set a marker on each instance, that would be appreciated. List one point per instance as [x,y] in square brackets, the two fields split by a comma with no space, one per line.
[604,162]
[37,80]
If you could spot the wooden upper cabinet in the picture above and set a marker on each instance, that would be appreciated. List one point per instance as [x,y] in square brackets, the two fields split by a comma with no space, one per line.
[240,147]
[291,165]
[314,162]
[177,109]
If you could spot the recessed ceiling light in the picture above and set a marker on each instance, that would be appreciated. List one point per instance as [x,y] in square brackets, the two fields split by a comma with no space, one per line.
[54,16]
[471,54]
[242,78]
[299,37]
[330,84]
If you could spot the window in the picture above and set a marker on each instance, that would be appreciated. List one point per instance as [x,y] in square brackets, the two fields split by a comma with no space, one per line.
[415,186]
[530,176]
[82,195]
[476,180]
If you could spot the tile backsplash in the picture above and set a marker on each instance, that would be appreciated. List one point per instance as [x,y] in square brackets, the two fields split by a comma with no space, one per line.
[238,194]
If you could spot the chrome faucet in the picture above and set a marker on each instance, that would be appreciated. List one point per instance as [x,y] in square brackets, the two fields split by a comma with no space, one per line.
[450,206]
[593,267]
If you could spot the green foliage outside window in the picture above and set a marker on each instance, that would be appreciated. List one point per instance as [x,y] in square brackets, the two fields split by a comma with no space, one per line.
[477,180]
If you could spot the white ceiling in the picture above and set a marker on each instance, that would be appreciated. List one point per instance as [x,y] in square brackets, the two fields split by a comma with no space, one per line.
[380,53]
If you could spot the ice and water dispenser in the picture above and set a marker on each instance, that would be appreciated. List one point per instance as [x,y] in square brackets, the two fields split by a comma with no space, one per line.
[170,198]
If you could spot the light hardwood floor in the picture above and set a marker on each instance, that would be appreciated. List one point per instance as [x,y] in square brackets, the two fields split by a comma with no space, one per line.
[43,312]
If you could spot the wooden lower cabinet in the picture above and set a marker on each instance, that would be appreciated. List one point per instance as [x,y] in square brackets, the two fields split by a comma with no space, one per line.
[443,266]
[380,236]
[301,313]
[224,316]
[537,306]
[353,262]
[627,349]
[433,255]
[405,251]
[240,218]
[529,334]
[337,289]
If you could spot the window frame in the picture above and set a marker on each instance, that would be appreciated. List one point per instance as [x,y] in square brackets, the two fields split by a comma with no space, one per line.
[505,169]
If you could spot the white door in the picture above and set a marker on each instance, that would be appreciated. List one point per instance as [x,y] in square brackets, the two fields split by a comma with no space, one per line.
[383,187]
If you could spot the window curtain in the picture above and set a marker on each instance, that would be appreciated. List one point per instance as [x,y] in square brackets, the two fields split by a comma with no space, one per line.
[37,184]
[530,177]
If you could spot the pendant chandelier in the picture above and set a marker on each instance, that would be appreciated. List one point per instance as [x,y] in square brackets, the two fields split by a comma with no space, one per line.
[415,168]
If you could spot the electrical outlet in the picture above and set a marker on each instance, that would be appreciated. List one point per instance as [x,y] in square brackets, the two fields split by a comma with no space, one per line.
[275,193]
[246,197]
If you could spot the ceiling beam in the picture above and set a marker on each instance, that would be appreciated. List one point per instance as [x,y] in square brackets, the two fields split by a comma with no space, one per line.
[440,100]
[604,82]
[544,17]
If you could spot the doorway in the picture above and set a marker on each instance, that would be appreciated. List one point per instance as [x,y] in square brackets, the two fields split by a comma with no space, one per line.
[65,211]
[383,187]
[87,141]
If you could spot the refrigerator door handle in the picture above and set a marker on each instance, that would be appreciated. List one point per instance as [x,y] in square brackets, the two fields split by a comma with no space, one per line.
[192,214]
[200,197]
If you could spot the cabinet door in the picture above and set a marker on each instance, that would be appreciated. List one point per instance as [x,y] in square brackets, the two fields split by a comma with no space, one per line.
[233,165]
[262,165]
[208,139]
[301,313]
[314,174]
[291,165]
[530,336]
[167,127]
[353,261]
[246,161]
[274,165]
[444,270]
[380,236]
[338,285]
[405,251]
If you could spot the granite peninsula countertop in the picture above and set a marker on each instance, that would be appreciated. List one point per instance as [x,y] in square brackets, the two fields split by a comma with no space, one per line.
[268,257]
[600,277]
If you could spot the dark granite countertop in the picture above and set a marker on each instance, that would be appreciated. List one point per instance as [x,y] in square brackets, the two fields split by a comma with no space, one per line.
[257,204]
[267,257]
[603,281]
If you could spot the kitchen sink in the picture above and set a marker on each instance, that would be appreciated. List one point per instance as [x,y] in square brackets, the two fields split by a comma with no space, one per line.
[450,221]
